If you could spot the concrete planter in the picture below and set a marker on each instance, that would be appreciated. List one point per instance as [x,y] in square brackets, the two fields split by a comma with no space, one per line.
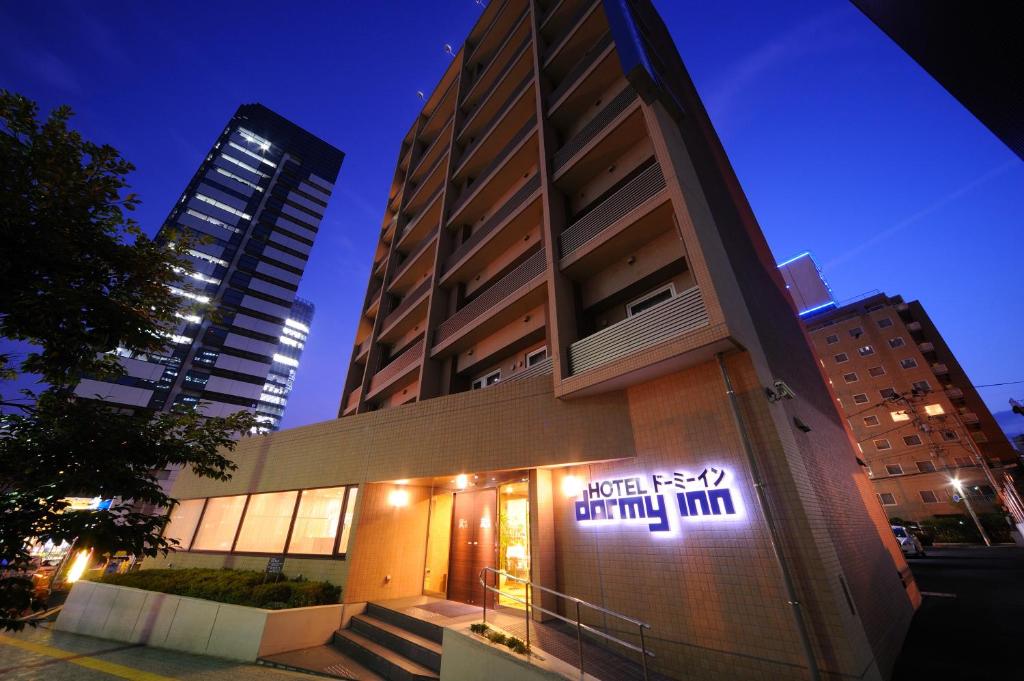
[193,625]
[470,657]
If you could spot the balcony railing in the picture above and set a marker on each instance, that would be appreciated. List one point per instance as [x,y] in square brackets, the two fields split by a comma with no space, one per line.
[482,232]
[538,369]
[969,417]
[490,298]
[926,347]
[353,398]
[940,369]
[372,294]
[581,66]
[411,224]
[487,67]
[362,348]
[680,315]
[517,92]
[955,393]
[591,130]
[471,49]
[430,148]
[631,195]
[397,366]
[914,326]
[426,176]
[408,302]
[571,27]
[498,160]
[408,260]
[471,115]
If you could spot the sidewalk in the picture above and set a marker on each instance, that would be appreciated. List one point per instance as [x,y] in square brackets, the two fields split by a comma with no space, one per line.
[55,656]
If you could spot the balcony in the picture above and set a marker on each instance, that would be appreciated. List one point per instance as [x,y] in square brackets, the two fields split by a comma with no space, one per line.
[353,401]
[361,349]
[373,300]
[610,217]
[902,307]
[589,59]
[672,319]
[513,34]
[518,154]
[586,21]
[954,393]
[501,217]
[424,192]
[409,301]
[969,417]
[486,109]
[914,326]
[499,121]
[497,298]
[926,347]
[421,221]
[398,368]
[419,259]
[431,155]
[614,110]
[539,369]
[940,369]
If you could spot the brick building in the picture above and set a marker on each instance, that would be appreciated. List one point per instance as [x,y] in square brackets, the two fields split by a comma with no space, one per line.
[576,363]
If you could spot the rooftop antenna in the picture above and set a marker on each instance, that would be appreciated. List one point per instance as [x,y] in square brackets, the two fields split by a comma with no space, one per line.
[448,50]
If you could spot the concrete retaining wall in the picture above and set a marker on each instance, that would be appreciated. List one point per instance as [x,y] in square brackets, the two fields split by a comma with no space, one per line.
[468,657]
[193,625]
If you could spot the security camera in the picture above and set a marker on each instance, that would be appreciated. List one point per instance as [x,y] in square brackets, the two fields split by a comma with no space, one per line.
[780,391]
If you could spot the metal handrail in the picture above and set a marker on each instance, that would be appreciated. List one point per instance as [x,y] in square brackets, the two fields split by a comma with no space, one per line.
[530,587]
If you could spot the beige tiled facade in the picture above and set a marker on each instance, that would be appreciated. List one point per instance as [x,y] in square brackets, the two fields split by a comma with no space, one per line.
[550,249]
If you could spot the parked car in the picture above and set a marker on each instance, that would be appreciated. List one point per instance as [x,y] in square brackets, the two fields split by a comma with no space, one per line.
[909,544]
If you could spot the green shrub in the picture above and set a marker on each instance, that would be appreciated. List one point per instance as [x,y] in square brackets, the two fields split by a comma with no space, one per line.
[516,645]
[479,628]
[496,637]
[238,587]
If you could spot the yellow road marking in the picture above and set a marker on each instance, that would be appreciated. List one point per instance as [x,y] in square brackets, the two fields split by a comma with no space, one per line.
[83,660]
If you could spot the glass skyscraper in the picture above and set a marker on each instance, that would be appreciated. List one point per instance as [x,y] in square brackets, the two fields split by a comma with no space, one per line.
[252,211]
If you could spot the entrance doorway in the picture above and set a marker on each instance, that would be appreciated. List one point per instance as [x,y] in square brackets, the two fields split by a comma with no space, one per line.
[474,544]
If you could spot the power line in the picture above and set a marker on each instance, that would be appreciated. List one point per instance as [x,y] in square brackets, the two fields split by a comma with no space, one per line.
[992,385]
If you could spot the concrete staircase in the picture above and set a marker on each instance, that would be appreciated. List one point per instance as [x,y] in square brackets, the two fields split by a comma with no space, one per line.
[393,645]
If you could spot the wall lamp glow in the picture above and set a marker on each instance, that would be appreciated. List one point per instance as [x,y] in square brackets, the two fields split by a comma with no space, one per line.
[398,498]
[461,481]
[572,486]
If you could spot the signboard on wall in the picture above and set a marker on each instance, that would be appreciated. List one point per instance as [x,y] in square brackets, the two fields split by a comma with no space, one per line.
[275,565]
[659,500]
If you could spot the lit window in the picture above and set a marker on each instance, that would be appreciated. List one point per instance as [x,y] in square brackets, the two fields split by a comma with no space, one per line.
[287,361]
[912,440]
[908,363]
[212,220]
[346,525]
[884,323]
[652,299]
[184,519]
[267,518]
[870,420]
[251,154]
[241,180]
[896,342]
[900,415]
[220,521]
[296,325]
[934,409]
[893,469]
[536,357]
[860,398]
[882,444]
[841,357]
[188,294]
[291,342]
[887,499]
[865,350]
[876,371]
[223,206]
[832,340]
[316,523]
[928,496]
[850,377]
[242,164]
[926,466]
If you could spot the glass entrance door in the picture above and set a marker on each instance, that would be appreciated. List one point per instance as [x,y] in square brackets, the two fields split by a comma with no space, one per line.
[513,541]
[474,544]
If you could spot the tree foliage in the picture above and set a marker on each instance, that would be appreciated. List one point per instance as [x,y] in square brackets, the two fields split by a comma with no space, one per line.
[79,280]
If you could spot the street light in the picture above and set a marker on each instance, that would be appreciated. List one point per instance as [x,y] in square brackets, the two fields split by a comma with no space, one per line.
[958,486]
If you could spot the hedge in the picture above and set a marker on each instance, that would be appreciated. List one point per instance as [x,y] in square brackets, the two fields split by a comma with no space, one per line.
[238,587]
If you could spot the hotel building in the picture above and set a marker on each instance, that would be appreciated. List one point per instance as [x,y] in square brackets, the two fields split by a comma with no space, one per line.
[917,419]
[576,363]
[253,209]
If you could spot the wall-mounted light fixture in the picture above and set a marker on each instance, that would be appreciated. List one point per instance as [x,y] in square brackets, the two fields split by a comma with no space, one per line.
[461,481]
[398,498]
[571,486]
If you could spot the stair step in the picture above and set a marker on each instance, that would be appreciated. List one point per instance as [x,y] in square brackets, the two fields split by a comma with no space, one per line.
[326,661]
[380,659]
[413,646]
[428,630]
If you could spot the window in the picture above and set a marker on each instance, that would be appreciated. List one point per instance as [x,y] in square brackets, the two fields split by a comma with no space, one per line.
[489,379]
[182,525]
[220,521]
[841,357]
[884,323]
[928,496]
[346,526]
[926,466]
[888,393]
[922,386]
[887,499]
[860,398]
[934,409]
[964,461]
[266,522]
[882,444]
[316,523]
[896,342]
[865,351]
[536,357]
[876,371]
[856,332]
[899,415]
[979,436]
[650,300]
[871,421]
[912,440]
[832,340]
[949,436]
[893,469]
[850,377]
[908,363]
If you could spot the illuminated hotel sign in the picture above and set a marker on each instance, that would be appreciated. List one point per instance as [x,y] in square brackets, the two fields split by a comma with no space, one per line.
[654,500]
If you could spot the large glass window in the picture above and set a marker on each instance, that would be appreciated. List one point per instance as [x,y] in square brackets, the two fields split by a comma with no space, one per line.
[220,522]
[346,527]
[265,527]
[184,519]
[316,524]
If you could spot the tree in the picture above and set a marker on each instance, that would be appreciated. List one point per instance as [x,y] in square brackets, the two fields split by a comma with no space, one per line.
[78,281]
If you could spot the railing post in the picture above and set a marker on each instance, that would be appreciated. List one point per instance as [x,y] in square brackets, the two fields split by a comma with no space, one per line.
[579,637]
[643,652]
[527,618]
[483,582]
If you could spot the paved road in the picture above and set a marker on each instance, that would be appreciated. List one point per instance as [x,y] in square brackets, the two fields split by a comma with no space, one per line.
[46,655]
[974,631]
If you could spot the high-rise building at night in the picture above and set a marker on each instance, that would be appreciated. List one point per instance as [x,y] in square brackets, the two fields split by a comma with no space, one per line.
[281,378]
[575,362]
[252,210]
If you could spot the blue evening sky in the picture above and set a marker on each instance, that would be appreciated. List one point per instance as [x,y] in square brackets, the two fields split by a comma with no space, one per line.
[843,144]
